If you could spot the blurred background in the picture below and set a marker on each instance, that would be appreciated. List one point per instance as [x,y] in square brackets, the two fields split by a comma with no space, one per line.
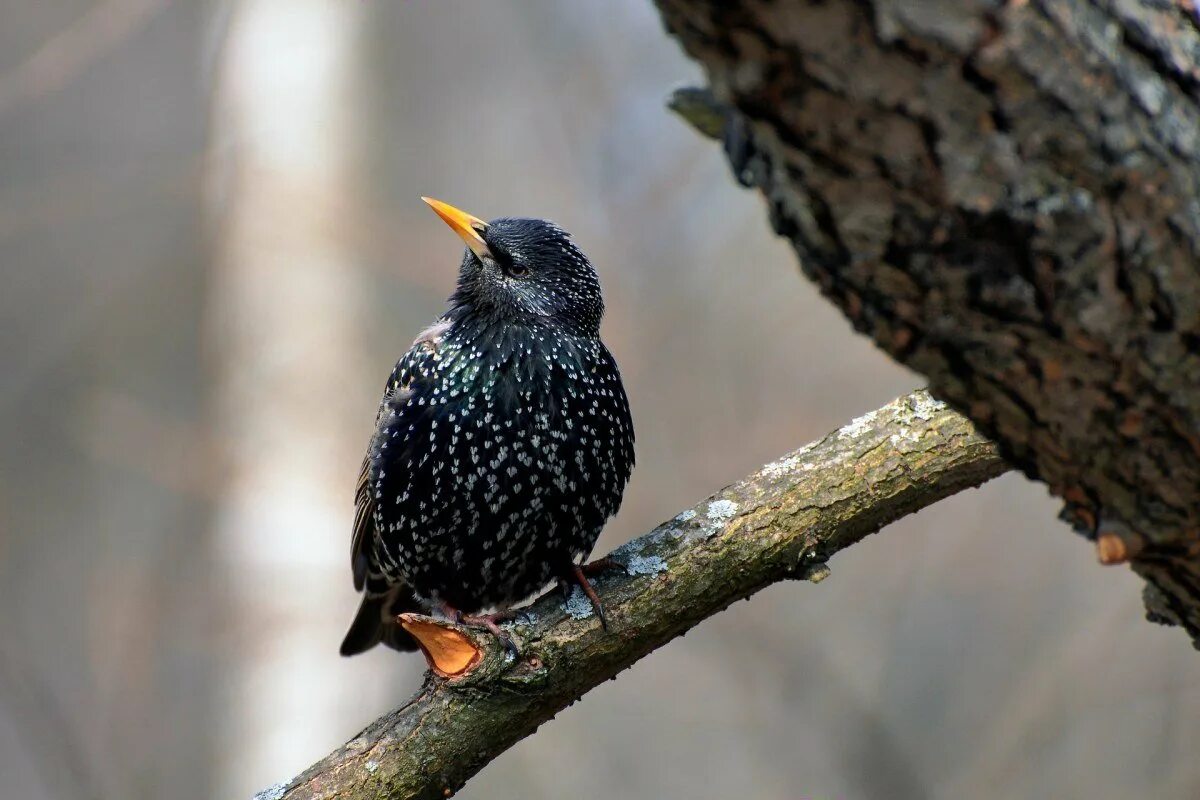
[212,251]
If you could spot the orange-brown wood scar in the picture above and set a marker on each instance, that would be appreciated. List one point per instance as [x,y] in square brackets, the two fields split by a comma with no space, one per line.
[449,652]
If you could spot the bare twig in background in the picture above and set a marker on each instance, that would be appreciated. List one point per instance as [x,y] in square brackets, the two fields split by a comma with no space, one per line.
[780,523]
[71,51]
[52,742]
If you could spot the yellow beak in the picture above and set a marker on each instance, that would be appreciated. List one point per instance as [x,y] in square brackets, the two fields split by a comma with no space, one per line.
[466,226]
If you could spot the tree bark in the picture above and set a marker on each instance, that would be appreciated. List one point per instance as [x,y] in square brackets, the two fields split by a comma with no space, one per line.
[780,523]
[1004,196]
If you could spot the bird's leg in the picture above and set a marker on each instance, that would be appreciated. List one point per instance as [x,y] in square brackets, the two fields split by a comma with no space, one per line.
[568,582]
[601,565]
[579,576]
[450,612]
[492,623]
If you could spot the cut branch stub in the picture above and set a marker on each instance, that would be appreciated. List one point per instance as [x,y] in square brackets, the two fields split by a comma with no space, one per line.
[450,651]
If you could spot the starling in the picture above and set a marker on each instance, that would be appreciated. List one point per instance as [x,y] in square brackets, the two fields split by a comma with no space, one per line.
[502,444]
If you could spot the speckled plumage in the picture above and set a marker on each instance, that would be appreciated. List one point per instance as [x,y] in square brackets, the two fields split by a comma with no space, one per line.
[503,442]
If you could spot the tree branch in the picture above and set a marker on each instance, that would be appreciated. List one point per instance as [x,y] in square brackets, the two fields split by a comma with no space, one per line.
[783,522]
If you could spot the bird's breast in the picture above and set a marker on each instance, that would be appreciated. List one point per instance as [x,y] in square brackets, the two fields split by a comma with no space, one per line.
[507,448]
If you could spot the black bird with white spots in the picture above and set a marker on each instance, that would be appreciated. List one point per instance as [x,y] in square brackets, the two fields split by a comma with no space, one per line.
[503,442]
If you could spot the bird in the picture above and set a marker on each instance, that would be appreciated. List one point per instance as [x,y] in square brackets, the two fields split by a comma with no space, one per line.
[502,445]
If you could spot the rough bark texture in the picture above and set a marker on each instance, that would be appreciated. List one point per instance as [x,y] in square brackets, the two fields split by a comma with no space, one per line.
[1005,196]
[783,522]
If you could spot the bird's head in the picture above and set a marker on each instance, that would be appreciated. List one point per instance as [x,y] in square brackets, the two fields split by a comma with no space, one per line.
[519,270]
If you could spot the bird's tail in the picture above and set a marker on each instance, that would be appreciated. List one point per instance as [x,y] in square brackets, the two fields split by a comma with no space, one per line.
[375,621]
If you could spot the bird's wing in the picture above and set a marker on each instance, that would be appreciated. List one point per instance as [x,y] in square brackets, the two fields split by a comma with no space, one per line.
[364,519]
[623,455]
[414,366]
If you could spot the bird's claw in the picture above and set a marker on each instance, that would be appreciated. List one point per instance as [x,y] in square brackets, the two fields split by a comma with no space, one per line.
[492,623]
[579,575]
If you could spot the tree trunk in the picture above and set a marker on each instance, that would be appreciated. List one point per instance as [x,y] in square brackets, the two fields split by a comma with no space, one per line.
[285,330]
[1004,196]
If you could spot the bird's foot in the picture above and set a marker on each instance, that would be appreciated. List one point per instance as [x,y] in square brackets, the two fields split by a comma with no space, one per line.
[601,565]
[489,621]
[579,577]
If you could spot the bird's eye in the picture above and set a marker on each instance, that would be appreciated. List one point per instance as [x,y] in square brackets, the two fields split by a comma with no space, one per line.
[510,266]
